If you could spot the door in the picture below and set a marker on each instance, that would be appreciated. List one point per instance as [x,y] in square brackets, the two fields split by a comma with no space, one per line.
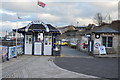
[48,44]
[28,44]
[38,44]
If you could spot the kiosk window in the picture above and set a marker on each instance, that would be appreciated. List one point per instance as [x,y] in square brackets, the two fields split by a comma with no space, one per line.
[30,41]
[26,39]
[48,40]
[39,37]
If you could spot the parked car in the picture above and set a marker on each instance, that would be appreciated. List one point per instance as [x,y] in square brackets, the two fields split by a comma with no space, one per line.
[62,43]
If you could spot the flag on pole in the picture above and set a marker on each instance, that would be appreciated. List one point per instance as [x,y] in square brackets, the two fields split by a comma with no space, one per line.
[41,4]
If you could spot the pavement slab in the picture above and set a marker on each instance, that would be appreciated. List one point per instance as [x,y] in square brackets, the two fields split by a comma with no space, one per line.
[37,67]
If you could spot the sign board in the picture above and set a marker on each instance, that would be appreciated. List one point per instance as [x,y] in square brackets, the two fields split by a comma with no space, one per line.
[40,36]
[3,52]
[12,51]
[87,35]
[97,36]
[36,22]
[97,45]
[102,50]
[33,22]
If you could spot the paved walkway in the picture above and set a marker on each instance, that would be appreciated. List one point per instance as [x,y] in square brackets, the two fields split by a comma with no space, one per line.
[36,67]
[107,56]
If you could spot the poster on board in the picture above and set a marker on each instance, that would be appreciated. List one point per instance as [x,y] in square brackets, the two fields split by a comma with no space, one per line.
[3,52]
[102,50]
[12,51]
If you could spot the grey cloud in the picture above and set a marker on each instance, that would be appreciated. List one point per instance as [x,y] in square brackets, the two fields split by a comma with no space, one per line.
[62,12]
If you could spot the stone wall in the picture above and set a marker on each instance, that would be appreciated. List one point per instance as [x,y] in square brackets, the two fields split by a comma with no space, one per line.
[96,42]
[109,50]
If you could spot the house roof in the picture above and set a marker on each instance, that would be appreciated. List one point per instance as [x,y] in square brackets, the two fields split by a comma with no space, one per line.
[80,28]
[105,30]
[114,27]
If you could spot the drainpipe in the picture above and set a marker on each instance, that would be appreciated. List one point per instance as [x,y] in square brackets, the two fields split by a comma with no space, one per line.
[33,43]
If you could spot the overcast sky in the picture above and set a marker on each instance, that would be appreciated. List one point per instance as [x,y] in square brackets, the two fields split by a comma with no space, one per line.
[56,12]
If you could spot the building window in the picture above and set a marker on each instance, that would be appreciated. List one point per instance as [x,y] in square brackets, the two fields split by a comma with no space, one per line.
[107,41]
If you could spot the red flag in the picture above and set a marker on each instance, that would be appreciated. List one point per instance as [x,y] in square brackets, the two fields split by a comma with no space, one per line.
[41,4]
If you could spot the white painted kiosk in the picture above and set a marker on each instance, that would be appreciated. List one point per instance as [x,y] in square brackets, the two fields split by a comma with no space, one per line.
[39,38]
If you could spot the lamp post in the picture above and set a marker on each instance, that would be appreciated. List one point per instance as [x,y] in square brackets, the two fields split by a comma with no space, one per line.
[16,34]
[77,23]
[16,40]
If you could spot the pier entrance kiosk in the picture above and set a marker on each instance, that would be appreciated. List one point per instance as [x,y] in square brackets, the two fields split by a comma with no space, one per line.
[39,38]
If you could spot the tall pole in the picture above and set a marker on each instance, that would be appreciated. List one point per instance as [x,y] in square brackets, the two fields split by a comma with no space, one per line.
[6,32]
[77,23]
[16,33]
[109,19]
[16,39]
[6,35]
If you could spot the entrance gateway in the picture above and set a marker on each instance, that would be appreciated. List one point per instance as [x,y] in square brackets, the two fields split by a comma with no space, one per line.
[39,38]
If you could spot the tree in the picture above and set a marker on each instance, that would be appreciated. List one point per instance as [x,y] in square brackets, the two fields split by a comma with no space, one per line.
[98,19]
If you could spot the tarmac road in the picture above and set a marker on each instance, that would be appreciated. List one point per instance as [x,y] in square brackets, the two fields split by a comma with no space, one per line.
[83,63]
[70,52]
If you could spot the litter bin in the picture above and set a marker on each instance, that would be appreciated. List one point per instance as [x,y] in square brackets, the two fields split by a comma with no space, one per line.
[56,51]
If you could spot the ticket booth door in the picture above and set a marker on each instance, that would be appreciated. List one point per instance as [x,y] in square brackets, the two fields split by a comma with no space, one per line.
[28,44]
[38,44]
[48,44]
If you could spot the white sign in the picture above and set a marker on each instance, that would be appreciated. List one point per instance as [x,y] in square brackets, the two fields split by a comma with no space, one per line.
[102,50]
[40,35]
[87,35]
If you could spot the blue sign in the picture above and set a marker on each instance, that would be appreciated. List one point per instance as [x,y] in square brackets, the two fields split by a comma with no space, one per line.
[12,52]
[97,45]
[102,50]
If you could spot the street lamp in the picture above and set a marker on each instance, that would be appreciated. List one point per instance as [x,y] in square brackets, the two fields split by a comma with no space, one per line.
[16,34]
[77,23]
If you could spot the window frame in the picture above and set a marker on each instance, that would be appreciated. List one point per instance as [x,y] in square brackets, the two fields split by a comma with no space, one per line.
[107,41]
